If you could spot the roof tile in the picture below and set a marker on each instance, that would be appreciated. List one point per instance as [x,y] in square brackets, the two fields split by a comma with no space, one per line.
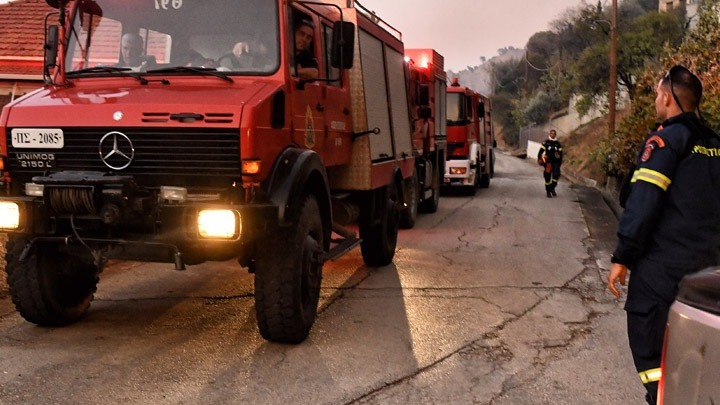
[21,36]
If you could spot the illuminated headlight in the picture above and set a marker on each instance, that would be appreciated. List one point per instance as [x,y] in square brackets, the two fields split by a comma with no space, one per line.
[173,194]
[34,190]
[219,224]
[458,170]
[9,215]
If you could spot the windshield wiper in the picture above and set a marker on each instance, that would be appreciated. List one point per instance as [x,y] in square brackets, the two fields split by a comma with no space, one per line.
[123,71]
[199,70]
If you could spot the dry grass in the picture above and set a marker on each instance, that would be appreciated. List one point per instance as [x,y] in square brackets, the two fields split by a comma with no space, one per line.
[580,150]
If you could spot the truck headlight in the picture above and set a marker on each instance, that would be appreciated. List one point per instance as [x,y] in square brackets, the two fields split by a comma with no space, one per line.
[9,215]
[219,224]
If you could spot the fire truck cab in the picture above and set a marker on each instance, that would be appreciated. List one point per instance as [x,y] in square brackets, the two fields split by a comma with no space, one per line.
[185,131]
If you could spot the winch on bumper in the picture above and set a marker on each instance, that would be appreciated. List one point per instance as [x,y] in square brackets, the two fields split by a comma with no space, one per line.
[116,219]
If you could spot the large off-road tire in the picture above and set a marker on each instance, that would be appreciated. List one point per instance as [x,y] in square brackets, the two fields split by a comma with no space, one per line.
[379,235]
[288,274]
[51,287]
[431,204]
[409,213]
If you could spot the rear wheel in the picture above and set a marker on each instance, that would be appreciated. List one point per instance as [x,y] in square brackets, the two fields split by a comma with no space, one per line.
[484,178]
[288,274]
[51,287]
[409,213]
[430,205]
[492,164]
[379,233]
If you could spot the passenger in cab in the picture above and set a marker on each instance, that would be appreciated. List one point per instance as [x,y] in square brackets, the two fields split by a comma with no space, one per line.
[306,65]
[132,52]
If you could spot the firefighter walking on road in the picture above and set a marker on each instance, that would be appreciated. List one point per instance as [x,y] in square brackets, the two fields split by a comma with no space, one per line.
[670,227]
[550,156]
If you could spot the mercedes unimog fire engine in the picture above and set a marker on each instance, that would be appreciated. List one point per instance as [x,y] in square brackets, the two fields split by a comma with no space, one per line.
[183,158]
[471,140]
[427,91]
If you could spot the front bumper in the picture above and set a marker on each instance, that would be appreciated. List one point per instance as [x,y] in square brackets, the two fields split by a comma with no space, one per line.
[459,173]
[171,230]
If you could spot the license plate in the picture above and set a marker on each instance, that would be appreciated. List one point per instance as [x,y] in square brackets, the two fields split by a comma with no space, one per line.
[34,138]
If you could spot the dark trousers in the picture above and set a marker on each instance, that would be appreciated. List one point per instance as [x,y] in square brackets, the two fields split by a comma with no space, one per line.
[647,314]
[551,175]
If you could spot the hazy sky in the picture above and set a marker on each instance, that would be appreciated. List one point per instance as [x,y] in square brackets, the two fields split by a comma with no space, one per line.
[465,30]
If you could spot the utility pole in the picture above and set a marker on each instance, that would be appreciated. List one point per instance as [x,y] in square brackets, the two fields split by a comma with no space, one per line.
[612,90]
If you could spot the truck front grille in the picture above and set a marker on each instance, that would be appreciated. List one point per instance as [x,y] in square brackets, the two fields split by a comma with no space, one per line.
[210,158]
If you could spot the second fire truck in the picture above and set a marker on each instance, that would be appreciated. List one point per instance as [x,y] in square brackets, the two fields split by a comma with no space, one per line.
[427,97]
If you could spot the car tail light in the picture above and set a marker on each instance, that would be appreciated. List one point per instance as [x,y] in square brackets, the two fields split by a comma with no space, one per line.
[661,384]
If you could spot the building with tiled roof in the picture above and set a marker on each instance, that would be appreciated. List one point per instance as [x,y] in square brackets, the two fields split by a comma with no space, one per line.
[21,47]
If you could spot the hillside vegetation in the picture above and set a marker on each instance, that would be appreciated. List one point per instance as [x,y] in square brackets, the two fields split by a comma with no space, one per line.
[572,60]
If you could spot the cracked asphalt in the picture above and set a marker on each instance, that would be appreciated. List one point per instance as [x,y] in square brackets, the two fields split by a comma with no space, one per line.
[495,299]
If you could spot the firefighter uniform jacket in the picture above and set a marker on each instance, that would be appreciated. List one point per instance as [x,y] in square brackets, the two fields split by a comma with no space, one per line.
[552,150]
[672,215]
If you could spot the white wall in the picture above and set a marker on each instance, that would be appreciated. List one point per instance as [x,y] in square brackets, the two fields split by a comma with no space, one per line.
[532,149]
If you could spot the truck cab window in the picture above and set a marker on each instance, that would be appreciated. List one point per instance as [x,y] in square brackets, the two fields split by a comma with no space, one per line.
[189,34]
[331,72]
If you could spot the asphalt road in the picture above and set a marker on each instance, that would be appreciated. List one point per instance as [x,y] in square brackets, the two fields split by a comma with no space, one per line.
[495,299]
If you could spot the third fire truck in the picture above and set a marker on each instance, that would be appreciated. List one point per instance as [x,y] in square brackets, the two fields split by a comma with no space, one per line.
[471,140]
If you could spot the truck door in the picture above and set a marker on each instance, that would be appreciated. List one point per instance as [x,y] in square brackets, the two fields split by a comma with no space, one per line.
[308,97]
[338,144]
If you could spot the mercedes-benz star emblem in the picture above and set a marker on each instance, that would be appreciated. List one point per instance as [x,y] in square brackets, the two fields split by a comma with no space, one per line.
[116,150]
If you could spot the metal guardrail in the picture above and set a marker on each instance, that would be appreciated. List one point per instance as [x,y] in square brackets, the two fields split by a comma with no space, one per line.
[531,133]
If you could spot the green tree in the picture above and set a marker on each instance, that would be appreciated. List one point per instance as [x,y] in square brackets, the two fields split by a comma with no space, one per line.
[642,38]
[699,52]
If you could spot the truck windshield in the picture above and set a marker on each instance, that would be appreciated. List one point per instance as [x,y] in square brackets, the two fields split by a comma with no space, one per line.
[456,114]
[160,36]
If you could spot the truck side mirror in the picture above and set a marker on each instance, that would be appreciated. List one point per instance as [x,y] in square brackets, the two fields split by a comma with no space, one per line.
[423,95]
[481,110]
[343,44]
[91,7]
[51,49]
[55,3]
[424,112]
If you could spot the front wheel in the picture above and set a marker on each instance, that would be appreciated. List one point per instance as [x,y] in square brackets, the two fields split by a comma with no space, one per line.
[51,287]
[288,274]
[379,232]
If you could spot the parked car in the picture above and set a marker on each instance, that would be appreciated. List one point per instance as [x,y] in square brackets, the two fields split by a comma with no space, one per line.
[691,358]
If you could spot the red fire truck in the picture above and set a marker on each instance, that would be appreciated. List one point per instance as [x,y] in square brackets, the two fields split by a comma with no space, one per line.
[427,91]
[177,153]
[471,140]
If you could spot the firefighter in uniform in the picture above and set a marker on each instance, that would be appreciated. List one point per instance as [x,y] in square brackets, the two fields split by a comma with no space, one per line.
[671,223]
[550,156]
